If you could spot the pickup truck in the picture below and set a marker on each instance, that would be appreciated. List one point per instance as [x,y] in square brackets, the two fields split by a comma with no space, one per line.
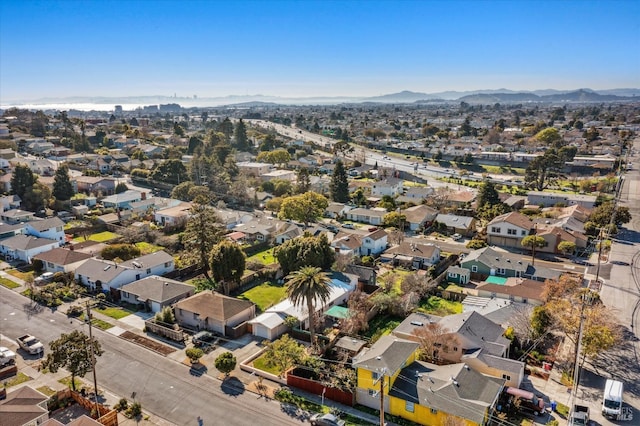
[30,344]
[7,356]
[579,416]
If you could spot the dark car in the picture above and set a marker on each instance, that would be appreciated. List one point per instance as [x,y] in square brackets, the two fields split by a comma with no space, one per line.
[203,338]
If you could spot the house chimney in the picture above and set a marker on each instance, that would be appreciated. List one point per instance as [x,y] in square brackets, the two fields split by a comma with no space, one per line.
[143,195]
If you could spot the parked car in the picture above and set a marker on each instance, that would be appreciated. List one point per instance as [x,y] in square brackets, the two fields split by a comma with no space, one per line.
[7,356]
[579,416]
[456,237]
[44,278]
[326,420]
[348,225]
[203,339]
[30,344]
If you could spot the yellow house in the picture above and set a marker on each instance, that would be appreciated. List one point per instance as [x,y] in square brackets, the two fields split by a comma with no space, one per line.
[424,393]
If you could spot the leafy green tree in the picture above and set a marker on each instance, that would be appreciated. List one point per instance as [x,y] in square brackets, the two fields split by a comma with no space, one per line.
[487,194]
[71,352]
[309,286]
[339,186]
[358,198]
[549,136]
[306,250]
[123,252]
[225,363]
[475,244]
[181,192]
[166,315]
[305,207]
[170,171]
[62,188]
[303,182]
[533,242]
[395,219]
[201,234]
[37,197]
[22,180]
[194,354]
[284,353]
[121,187]
[342,148]
[194,143]
[387,202]
[567,247]
[227,262]
[540,321]
[543,170]
[601,215]
[240,133]
[278,156]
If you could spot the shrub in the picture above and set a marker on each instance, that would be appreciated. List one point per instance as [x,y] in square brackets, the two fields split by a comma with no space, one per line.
[122,405]
[226,363]
[194,354]
[134,410]
[74,311]
[122,251]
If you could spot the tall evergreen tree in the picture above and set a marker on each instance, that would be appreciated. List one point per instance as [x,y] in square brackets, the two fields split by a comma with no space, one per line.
[22,180]
[339,184]
[62,188]
[226,127]
[487,194]
[240,133]
[201,234]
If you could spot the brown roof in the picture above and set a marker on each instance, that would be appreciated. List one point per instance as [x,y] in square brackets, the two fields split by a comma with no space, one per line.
[209,304]
[521,287]
[377,234]
[61,256]
[84,420]
[407,248]
[21,407]
[462,196]
[417,214]
[514,218]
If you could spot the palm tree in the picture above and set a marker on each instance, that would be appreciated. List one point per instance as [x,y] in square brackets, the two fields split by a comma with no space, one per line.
[307,286]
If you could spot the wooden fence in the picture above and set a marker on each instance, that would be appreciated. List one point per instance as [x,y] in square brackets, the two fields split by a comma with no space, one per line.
[301,379]
[107,416]
[161,330]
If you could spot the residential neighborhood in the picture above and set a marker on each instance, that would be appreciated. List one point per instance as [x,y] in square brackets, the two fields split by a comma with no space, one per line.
[432,270]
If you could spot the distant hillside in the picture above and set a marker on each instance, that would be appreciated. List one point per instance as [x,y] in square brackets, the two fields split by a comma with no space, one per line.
[405,96]
[500,97]
[583,95]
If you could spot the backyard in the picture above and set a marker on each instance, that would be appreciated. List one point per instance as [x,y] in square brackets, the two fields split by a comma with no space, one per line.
[148,248]
[100,237]
[435,305]
[265,295]
[265,257]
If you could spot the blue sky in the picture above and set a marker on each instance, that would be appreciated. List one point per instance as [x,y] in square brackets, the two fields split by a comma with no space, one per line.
[313,48]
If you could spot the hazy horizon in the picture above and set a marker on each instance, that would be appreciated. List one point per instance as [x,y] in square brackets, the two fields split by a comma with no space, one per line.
[311,49]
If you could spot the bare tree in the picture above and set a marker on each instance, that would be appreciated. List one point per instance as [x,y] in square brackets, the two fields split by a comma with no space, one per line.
[359,306]
[440,198]
[431,337]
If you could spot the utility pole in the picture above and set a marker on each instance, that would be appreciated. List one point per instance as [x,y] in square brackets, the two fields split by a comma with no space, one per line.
[533,245]
[93,361]
[599,256]
[382,400]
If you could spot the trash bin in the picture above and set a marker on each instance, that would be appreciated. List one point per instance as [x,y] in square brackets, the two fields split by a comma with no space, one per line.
[546,366]
[553,405]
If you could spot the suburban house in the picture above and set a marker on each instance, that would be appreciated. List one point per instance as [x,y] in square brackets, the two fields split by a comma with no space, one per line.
[123,200]
[51,228]
[24,247]
[415,194]
[96,185]
[371,216]
[337,210]
[461,198]
[288,175]
[254,169]
[419,391]
[271,324]
[463,225]
[14,216]
[489,261]
[24,406]
[7,230]
[289,232]
[412,255]
[213,311]
[389,186]
[554,235]
[61,259]
[104,275]
[549,199]
[470,338]
[9,202]
[173,216]
[257,230]
[520,290]
[357,244]
[420,216]
[509,229]
[458,275]
[154,293]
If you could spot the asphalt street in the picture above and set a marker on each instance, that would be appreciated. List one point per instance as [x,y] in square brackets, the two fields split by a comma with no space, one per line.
[163,386]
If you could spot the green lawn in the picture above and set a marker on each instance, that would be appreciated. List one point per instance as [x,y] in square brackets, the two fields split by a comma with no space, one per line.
[100,237]
[382,324]
[67,382]
[46,390]
[102,325]
[437,306]
[6,282]
[19,274]
[265,257]
[115,313]
[265,295]
[19,378]
[147,248]
[261,364]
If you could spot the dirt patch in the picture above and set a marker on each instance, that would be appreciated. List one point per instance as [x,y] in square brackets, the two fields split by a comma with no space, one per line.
[148,343]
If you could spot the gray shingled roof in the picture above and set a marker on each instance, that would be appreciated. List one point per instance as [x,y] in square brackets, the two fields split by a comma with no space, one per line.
[455,389]
[45,224]
[157,289]
[26,242]
[388,353]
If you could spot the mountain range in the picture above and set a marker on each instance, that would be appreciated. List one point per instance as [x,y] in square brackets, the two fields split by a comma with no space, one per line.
[471,97]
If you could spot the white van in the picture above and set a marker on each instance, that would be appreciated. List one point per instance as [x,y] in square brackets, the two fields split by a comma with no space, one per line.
[612,399]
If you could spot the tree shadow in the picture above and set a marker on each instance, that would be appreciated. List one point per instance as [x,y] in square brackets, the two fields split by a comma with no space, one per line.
[198,370]
[620,363]
[32,308]
[232,386]
[294,411]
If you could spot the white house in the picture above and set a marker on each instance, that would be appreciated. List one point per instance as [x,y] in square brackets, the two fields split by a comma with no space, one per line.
[24,247]
[389,186]
[371,216]
[271,324]
[102,275]
[51,228]
[61,260]
[173,216]
[508,229]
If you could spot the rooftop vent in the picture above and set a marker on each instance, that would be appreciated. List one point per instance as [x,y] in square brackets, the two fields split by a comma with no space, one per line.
[417,323]
[378,357]
[106,268]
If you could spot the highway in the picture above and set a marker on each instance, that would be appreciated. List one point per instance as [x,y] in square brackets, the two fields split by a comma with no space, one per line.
[163,386]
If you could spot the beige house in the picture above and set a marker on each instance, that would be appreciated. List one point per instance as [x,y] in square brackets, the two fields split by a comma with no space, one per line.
[515,289]
[213,311]
[509,229]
